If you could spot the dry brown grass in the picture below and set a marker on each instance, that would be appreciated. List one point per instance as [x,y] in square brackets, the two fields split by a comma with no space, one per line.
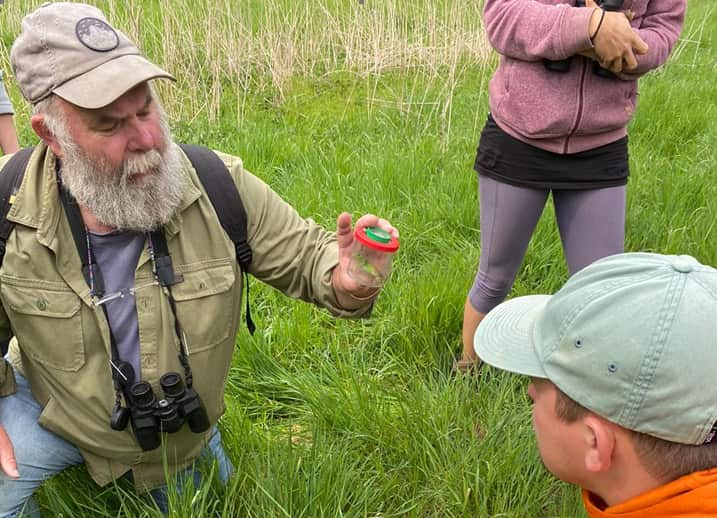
[259,45]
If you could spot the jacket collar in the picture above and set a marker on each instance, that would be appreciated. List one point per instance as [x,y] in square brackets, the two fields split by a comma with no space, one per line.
[37,202]
[37,205]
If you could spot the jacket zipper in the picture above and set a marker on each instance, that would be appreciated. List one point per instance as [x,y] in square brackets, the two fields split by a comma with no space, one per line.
[580,106]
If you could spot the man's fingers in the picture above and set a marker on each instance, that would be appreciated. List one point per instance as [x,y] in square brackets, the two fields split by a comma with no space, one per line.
[367,220]
[384,224]
[7,455]
[343,230]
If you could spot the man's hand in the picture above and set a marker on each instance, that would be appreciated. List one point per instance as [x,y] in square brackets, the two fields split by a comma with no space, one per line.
[616,42]
[349,293]
[7,455]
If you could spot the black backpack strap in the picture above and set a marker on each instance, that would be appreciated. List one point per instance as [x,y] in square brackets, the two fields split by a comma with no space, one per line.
[10,179]
[222,192]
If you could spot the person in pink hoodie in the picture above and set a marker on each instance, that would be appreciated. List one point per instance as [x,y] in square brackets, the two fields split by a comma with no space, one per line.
[560,101]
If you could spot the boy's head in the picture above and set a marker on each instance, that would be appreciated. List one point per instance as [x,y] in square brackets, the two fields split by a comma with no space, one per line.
[622,362]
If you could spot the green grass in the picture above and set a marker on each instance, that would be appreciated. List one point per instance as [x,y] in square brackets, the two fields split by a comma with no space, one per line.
[335,418]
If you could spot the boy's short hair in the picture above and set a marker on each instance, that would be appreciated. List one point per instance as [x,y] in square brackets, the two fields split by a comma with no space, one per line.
[664,460]
[631,337]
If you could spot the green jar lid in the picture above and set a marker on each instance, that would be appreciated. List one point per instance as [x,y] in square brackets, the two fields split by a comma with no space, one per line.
[376,238]
[378,234]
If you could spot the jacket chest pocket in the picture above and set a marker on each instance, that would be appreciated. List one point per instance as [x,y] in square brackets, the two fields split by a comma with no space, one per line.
[47,324]
[205,306]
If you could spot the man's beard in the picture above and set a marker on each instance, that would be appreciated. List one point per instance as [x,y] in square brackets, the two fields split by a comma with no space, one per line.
[110,193]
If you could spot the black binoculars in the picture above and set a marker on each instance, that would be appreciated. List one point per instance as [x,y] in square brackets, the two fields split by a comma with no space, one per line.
[150,416]
[563,65]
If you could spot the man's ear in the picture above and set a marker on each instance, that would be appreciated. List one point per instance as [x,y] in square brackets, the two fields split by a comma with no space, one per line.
[37,122]
[600,442]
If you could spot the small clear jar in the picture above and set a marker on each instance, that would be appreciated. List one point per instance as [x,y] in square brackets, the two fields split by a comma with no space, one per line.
[371,256]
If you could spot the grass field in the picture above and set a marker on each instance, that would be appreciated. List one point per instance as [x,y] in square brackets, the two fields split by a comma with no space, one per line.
[376,107]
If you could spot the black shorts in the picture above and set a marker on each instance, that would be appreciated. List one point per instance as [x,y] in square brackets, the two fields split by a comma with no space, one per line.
[506,159]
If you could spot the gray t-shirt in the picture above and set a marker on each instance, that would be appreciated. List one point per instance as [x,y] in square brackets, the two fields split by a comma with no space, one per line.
[117,255]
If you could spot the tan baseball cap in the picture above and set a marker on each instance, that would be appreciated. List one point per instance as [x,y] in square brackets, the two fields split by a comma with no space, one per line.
[71,50]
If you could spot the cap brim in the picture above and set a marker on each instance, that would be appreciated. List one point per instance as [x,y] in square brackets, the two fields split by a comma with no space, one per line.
[108,82]
[504,338]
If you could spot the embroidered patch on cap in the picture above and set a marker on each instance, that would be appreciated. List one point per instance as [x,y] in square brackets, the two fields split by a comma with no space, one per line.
[96,34]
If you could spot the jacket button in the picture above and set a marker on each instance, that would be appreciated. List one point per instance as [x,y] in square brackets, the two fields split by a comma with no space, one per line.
[41,304]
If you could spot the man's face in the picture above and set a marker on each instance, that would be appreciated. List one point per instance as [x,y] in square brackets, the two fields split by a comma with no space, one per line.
[119,162]
[561,445]
[129,126]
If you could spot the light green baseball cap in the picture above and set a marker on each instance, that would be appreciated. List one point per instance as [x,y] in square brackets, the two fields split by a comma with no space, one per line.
[71,50]
[632,337]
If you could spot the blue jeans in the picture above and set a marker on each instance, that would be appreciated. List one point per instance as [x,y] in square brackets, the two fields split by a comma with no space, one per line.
[41,454]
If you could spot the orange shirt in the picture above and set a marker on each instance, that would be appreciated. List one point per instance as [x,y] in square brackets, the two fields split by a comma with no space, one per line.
[691,496]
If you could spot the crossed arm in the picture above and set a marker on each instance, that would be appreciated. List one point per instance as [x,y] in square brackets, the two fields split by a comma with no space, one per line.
[530,31]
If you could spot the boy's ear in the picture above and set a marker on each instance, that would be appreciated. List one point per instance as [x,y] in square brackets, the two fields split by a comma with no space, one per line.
[37,122]
[600,441]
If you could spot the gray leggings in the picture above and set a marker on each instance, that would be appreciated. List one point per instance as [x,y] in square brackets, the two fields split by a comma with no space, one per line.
[591,224]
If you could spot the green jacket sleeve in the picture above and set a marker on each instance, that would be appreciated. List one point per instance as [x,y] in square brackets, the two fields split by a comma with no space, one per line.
[293,254]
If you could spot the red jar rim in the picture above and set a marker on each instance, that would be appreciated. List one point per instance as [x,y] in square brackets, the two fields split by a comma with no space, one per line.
[361,235]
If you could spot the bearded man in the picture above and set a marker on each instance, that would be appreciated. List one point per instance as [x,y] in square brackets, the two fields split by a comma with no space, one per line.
[106,199]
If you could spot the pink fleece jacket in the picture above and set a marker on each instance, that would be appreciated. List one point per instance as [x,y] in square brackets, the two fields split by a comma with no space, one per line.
[578,110]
